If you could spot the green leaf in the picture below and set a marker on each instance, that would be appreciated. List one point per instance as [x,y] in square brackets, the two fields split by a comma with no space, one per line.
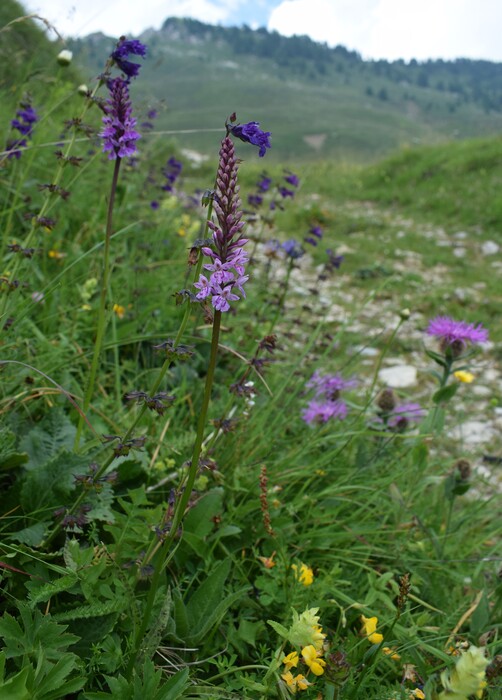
[55,683]
[32,535]
[481,617]
[47,438]
[280,629]
[98,609]
[445,394]
[51,483]
[14,688]
[65,583]
[199,520]
[175,686]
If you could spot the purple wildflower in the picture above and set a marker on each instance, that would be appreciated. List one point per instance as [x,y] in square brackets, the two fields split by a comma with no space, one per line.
[255,200]
[317,412]
[293,249]
[118,134]
[264,183]
[171,172]
[284,192]
[457,333]
[292,179]
[228,258]
[326,403]
[334,261]
[154,204]
[404,414]
[125,47]
[251,133]
[26,118]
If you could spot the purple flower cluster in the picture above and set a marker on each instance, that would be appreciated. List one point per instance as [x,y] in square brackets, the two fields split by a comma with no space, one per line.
[315,235]
[228,257]
[25,119]
[171,172]
[124,49]
[118,134]
[251,133]
[456,333]
[326,403]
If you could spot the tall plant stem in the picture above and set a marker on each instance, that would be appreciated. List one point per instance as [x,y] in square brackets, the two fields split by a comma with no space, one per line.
[102,303]
[179,512]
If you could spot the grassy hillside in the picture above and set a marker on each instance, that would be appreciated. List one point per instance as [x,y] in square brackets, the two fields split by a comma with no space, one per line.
[318,102]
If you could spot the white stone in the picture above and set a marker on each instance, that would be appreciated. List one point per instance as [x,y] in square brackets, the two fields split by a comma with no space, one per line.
[399,376]
[459,252]
[473,432]
[490,248]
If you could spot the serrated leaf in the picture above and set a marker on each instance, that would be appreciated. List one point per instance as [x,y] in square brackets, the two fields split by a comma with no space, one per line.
[51,483]
[280,629]
[46,591]
[47,438]
[54,684]
[93,610]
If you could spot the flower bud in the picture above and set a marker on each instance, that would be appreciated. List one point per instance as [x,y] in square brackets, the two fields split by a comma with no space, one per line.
[83,90]
[64,57]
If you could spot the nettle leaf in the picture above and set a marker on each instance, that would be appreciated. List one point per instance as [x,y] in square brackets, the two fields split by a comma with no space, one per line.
[47,438]
[50,485]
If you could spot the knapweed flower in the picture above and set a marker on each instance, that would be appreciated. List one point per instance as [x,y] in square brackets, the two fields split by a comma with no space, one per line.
[464,376]
[369,629]
[251,133]
[402,415]
[311,657]
[291,660]
[119,136]
[124,49]
[228,258]
[303,574]
[326,403]
[466,678]
[456,335]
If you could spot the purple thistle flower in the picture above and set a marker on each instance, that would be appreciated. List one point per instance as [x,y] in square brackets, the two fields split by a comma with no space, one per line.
[327,402]
[251,133]
[403,414]
[458,333]
[317,412]
[118,134]
[124,48]
[228,259]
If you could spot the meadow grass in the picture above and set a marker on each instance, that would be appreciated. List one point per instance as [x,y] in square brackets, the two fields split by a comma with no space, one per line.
[151,550]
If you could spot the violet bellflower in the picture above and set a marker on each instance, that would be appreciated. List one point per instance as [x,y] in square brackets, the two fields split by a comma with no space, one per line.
[227,256]
[118,134]
[251,133]
[124,49]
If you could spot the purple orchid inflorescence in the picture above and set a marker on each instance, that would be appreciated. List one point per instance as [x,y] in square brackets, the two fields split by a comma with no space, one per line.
[118,134]
[124,49]
[326,403]
[228,257]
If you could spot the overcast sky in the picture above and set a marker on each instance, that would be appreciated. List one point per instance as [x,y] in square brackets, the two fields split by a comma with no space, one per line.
[388,29]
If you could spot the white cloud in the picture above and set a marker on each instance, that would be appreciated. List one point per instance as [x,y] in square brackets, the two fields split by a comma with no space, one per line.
[398,28]
[117,17]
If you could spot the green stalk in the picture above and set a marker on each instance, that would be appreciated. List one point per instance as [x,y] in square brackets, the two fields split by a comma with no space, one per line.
[102,303]
[282,299]
[185,496]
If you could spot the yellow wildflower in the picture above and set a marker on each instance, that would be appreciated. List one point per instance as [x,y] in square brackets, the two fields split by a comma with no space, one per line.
[369,629]
[305,575]
[298,682]
[311,658]
[291,660]
[119,310]
[391,652]
[56,255]
[417,693]
[268,562]
[467,677]
[464,376]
